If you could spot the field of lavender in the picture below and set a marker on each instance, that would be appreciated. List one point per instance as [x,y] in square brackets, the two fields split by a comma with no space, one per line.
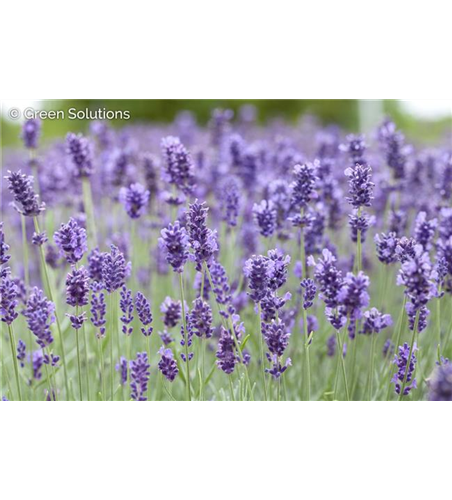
[232,261]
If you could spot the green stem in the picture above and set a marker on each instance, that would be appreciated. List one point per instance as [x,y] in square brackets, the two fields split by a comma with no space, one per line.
[85,339]
[12,341]
[102,369]
[397,343]
[49,289]
[261,340]
[89,210]
[112,335]
[371,366]
[78,359]
[306,351]
[25,252]
[187,361]
[344,373]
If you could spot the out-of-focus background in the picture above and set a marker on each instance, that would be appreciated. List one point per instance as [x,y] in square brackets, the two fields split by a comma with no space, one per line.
[424,120]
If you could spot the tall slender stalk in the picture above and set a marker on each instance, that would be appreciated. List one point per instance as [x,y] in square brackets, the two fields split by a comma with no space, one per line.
[261,339]
[371,365]
[78,358]
[306,350]
[12,341]
[187,361]
[344,373]
[89,210]
[49,291]
[85,340]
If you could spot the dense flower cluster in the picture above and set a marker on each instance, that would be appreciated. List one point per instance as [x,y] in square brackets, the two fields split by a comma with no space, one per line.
[139,377]
[71,241]
[26,201]
[80,152]
[135,200]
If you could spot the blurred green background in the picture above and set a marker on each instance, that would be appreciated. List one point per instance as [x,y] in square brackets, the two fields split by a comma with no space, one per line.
[352,115]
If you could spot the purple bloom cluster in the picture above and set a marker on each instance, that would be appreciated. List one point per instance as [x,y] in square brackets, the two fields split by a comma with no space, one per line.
[31,131]
[26,201]
[40,314]
[114,269]
[276,337]
[174,242]
[135,200]
[80,152]
[178,164]
[126,306]
[440,385]
[265,216]
[405,370]
[172,312]
[143,308]
[139,377]
[200,319]
[375,321]
[98,309]
[167,364]
[71,241]
[202,239]
[77,287]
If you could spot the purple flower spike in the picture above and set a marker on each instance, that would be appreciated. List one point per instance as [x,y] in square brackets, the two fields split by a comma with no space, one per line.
[77,321]
[402,366]
[98,309]
[202,239]
[328,276]
[386,247]
[95,258]
[8,300]
[135,200]
[123,368]
[258,271]
[174,242]
[26,201]
[21,352]
[114,269]
[167,364]
[77,288]
[309,292]
[361,187]
[226,355]
[71,241]
[277,339]
[200,319]
[38,239]
[178,164]
[440,385]
[126,305]
[424,230]
[172,311]
[39,313]
[265,216]
[375,321]
[31,130]
[143,308]
[139,377]
[303,185]
[80,152]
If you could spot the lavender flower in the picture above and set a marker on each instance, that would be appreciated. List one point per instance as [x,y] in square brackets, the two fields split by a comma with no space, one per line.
[328,276]
[425,230]
[149,162]
[386,247]
[71,241]
[172,311]
[393,144]
[440,385]
[303,185]
[277,339]
[77,320]
[397,221]
[405,249]
[360,185]
[360,223]
[230,198]
[139,377]
[202,239]
[4,247]
[353,297]
[126,306]
[309,292]
[167,364]
[174,242]
[21,352]
[375,321]
[271,304]
[178,164]
[135,200]
[37,362]
[113,269]
[200,319]
[331,346]
[123,368]
[226,355]
[8,300]
[95,258]
[31,130]
[40,314]
[77,287]
[355,147]
[258,271]
[26,200]
[80,152]
[98,309]
[278,264]
[38,239]
[165,337]
[388,348]
[265,217]
[143,308]
[403,366]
